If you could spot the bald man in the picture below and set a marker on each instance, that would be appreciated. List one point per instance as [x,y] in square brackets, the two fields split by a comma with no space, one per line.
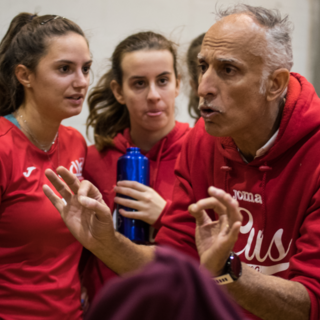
[249,175]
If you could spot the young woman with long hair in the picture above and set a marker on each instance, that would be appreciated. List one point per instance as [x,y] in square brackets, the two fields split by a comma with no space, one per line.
[44,77]
[134,105]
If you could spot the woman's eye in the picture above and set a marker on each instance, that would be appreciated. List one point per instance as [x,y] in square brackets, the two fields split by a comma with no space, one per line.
[86,69]
[163,81]
[139,84]
[64,69]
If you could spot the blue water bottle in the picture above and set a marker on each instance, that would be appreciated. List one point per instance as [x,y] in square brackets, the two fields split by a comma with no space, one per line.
[132,166]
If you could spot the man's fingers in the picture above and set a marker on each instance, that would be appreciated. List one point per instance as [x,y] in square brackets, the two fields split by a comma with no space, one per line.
[101,210]
[86,188]
[224,222]
[201,216]
[133,185]
[70,179]
[230,203]
[133,204]
[55,200]
[234,231]
[210,203]
[59,185]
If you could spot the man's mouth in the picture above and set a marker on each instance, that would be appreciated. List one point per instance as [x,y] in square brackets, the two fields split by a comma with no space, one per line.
[206,111]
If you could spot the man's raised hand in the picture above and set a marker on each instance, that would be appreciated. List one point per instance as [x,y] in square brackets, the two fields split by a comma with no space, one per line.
[84,212]
[215,239]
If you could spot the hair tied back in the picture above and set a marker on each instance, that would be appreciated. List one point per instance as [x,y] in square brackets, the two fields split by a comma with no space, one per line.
[33,16]
[54,18]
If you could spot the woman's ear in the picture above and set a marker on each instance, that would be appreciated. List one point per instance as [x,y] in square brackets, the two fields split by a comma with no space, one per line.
[178,82]
[117,91]
[277,83]
[23,75]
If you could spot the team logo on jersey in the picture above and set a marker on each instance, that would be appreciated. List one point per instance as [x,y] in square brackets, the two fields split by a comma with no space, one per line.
[77,167]
[29,170]
[247,196]
[251,251]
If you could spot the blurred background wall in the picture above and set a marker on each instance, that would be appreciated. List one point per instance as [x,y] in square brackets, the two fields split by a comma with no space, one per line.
[106,22]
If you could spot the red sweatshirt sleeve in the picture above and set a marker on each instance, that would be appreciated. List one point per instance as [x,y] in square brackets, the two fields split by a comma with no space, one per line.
[178,226]
[305,264]
[158,222]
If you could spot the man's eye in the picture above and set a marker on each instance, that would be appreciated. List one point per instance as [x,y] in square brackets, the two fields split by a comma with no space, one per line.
[229,70]
[202,68]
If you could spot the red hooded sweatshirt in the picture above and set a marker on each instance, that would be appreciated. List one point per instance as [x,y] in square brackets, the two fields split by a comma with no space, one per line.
[278,194]
[101,169]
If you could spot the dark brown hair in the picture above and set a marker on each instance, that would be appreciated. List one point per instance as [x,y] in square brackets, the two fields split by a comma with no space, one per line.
[107,116]
[25,42]
[192,62]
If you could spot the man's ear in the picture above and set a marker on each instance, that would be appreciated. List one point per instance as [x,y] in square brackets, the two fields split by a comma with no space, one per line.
[277,83]
[117,91]
[23,75]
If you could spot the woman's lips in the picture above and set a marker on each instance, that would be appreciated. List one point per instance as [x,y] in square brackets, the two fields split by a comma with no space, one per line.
[154,113]
[74,101]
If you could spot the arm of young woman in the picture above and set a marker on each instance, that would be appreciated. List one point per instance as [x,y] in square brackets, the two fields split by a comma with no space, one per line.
[148,203]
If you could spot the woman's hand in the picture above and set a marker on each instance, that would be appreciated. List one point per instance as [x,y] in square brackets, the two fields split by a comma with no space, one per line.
[215,239]
[148,203]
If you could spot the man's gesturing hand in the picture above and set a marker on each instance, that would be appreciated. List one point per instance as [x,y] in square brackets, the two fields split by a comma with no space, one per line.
[83,210]
[215,239]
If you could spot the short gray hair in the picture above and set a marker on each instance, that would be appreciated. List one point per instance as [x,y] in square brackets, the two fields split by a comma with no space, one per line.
[278,35]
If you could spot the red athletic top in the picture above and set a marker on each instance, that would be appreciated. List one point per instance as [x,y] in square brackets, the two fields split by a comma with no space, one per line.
[278,194]
[38,255]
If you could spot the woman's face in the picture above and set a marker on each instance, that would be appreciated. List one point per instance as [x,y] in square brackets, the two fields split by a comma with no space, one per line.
[61,79]
[149,89]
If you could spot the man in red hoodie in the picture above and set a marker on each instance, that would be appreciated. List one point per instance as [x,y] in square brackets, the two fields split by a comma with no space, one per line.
[258,145]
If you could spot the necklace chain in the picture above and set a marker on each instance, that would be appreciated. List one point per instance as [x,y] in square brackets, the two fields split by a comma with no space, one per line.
[42,147]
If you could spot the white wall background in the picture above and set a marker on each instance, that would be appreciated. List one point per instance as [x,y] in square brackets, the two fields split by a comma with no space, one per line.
[107,22]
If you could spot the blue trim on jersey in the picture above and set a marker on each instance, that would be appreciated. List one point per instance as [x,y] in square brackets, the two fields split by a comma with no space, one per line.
[12,119]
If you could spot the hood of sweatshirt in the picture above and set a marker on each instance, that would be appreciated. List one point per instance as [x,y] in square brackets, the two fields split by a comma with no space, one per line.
[298,120]
[165,147]
[164,150]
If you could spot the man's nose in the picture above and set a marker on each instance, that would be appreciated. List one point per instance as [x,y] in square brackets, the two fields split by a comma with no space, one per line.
[208,84]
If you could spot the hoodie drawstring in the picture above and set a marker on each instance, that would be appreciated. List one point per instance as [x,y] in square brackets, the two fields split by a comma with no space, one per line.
[265,170]
[226,169]
[155,173]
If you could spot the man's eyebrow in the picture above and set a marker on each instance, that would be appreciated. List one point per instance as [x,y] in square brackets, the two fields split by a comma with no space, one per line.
[200,56]
[229,60]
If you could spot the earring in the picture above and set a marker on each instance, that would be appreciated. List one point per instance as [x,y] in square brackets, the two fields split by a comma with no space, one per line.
[28,85]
